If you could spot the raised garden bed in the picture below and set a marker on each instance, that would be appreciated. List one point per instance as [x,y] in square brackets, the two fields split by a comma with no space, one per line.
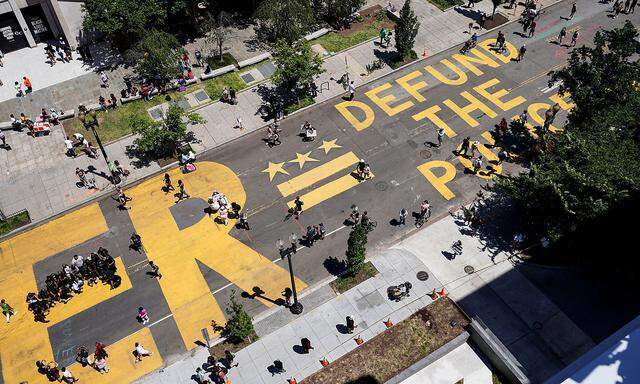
[218,349]
[446,4]
[372,20]
[227,59]
[399,347]
[345,282]
[14,221]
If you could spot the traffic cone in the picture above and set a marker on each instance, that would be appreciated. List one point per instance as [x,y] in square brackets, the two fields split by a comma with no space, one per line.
[388,323]
[359,340]
[442,293]
[292,381]
[433,295]
[324,362]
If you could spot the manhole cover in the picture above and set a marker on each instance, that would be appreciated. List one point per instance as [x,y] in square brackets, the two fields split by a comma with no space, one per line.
[382,186]
[469,269]
[422,275]
[247,77]
[425,154]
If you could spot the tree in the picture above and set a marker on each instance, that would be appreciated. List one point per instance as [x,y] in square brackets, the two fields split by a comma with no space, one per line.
[240,325]
[156,57]
[592,167]
[603,80]
[338,11]
[288,20]
[406,30]
[123,21]
[218,33]
[356,248]
[495,3]
[162,138]
[296,65]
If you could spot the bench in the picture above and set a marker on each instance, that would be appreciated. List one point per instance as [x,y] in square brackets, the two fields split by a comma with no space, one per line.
[218,72]
[316,34]
[253,60]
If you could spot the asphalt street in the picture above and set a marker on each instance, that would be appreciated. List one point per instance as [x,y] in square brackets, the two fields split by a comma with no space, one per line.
[396,142]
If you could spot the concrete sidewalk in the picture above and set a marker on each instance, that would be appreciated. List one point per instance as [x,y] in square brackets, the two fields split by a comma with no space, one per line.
[35,175]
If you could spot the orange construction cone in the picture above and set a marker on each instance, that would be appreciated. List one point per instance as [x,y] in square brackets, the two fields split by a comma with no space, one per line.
[433,295]
[324,362]
[442,293]
[388,323]
[292,381]
[359,340]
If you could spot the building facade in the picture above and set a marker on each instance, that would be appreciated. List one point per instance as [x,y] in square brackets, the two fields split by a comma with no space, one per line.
[25,23]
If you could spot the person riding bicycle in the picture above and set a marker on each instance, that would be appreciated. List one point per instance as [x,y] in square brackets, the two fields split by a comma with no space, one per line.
[425,209]
[364,220]
[354,216]
[474,39]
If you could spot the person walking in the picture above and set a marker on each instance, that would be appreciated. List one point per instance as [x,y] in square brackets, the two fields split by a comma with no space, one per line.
[3,138]
[104,80]
[321,231]
[288,294]
[351,324]
[562,35]
[155,270]
[574,39]
[402,218]
[143,315]
[182,192]
[298,206]
[18,87]
[521,52]
[136,242]
[82,356]
[523,117]
[123,198]
[440,137]
[477,164]
[27,85]
[352,90]
[229,357]
[232,96]
[7,310]
[139,352]
[532,29]
[278,367]
[293,239]
[201,377]
[574,8]
[69,146]
[167,183]
[239,124]
[243,222]
[464,147]
[310,236]
[306,344]
[67,376]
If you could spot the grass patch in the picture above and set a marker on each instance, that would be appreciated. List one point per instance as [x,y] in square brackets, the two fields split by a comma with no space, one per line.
[303,102]
[359,32]
[14,222]
[214,86]
[227,59]
[396,349]
[346,282]
[218,349]
[446,4]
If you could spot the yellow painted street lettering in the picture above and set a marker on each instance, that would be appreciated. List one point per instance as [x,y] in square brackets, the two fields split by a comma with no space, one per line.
[384,101]
[488,45]
[474,105]
[369,116]
[534,111]
[496,96]
[317,174]
[459,80]
[413,89]
[562,101]
[489,158]
[439,182]
[430,113]
[478,58]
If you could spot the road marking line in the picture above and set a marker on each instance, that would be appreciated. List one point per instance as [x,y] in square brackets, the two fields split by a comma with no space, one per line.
[314,175]
[327,191]
[160,320]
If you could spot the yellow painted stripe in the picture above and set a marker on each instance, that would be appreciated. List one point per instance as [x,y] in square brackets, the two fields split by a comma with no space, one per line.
[323,171]
[327,191]
[122,365]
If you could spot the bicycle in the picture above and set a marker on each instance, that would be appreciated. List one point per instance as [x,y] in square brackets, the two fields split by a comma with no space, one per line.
[370,226]
[421,219]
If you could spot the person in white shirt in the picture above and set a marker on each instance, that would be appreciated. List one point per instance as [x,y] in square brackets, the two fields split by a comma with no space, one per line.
[140,352]
[67,376]
[77,262]
[69,145]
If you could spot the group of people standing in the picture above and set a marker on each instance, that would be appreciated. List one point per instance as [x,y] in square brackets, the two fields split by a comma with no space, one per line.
[70,280]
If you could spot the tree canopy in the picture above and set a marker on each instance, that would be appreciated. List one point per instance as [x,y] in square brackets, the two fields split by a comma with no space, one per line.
[296,65]
[593,165]
[286,20]
[156,57]
[406,30]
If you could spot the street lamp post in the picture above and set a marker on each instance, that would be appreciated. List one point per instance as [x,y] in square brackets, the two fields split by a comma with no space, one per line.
[296,308]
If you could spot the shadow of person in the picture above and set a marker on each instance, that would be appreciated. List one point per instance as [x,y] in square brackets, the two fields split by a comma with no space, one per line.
[342,329]
[299,349]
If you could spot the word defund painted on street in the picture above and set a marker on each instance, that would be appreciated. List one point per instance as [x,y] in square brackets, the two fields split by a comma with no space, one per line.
[440,172]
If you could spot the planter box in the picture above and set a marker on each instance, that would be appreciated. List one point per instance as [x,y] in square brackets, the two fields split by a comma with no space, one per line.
[218,72]
[316,34]
[255,59]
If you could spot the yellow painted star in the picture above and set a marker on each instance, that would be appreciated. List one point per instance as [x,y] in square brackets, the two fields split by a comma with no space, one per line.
[329,145]
[274,168]
[301,159]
